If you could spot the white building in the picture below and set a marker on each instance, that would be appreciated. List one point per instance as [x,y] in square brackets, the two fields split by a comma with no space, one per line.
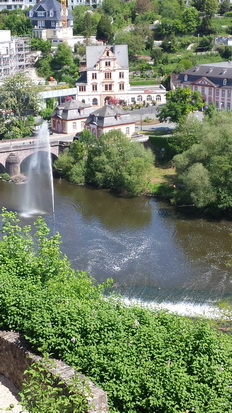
[16,4]
[92,3]
[105,77]
[14,54]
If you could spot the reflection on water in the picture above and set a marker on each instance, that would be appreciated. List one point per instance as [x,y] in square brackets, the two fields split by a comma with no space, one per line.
[152,252]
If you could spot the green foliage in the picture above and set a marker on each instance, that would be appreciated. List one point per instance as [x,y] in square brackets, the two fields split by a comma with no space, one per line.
[180,102]
[204,170]
[185,135]
[19,96]
[39,44]
[146,361]
[111,161]
[104,29]
[16,21]
[44,392]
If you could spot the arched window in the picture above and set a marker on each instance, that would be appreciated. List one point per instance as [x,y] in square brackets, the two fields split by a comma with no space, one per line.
[224,82]
[158,98]
[149,98]
[31,13]
[94,102]
[139,98]
[185,78]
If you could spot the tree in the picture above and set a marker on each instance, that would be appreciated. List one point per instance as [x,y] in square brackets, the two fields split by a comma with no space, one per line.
[18,98]
[180,102]
[39,44]
[104,29]
[111,161]
[204,170]
[17,22]
[63,64]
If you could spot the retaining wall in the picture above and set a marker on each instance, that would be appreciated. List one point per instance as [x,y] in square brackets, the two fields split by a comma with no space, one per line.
[15,358]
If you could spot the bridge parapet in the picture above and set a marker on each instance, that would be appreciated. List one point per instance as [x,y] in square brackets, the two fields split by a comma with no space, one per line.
[24,149]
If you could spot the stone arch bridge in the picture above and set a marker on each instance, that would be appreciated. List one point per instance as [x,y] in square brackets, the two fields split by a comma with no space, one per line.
[13,153]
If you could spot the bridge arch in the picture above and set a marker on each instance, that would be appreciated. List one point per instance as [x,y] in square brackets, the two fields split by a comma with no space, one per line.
[40,156]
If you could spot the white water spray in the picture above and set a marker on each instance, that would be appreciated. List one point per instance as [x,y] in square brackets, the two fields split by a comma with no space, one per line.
[39,189]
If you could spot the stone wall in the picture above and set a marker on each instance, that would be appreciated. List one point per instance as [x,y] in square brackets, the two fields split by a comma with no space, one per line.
[15,358]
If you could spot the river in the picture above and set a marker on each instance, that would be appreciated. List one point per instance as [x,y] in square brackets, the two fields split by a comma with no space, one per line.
[153,252]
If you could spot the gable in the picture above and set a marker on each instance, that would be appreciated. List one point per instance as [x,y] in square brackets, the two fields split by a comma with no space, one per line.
[203,81]
[40,8]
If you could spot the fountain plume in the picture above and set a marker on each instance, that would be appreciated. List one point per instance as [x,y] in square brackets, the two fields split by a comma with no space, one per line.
[38,194]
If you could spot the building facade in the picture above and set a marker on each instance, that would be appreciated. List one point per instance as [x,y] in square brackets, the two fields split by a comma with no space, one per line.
[14,54]
[213,81]
[105,77]
[69,117]
[108,118]
[51,21]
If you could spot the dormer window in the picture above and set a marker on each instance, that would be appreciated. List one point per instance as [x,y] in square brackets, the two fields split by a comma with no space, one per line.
[107,53]
[31,13]
[40,13]
[185,78]
[51,13]
[224,82]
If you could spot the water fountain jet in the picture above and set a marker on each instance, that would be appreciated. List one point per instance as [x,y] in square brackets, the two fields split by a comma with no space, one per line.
[38,194]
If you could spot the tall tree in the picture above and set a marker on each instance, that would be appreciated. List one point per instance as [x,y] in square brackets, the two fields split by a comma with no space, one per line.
[180,102]
[18,99]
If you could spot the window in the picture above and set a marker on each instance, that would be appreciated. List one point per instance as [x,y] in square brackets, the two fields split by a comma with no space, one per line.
[158,98]
[149,98]
[40,13]
[217,92]
[217,105]
[54,32]
[202,90]
[94,102]
[121,86]
[83,100]
[107,53]
[133,100]
[94,75]
[210,91]
[74,125]
[51,13]
[43,23]
[31,13]
[228,93]
[53,24]
[121,75]
[82,88]
[108,87]
[139,98]
[107,75]
[94,88]
[224,82]
[82,123]
[228,105]
[107,63]
[127,131]
[185,78]
[195,88]
[223,93]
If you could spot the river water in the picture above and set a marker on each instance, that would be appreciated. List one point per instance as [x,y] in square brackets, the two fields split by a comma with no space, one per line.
[153,252]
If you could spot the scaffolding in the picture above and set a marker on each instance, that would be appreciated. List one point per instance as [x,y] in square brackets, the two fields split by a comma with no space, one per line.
[64,13]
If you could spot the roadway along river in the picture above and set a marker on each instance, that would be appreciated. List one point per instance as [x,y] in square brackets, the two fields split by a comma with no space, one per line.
[152,252]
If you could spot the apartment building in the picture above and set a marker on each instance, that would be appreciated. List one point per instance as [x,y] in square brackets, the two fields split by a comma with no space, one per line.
[14,54]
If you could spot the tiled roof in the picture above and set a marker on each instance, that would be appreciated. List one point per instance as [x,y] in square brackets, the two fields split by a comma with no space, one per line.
[109,115]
